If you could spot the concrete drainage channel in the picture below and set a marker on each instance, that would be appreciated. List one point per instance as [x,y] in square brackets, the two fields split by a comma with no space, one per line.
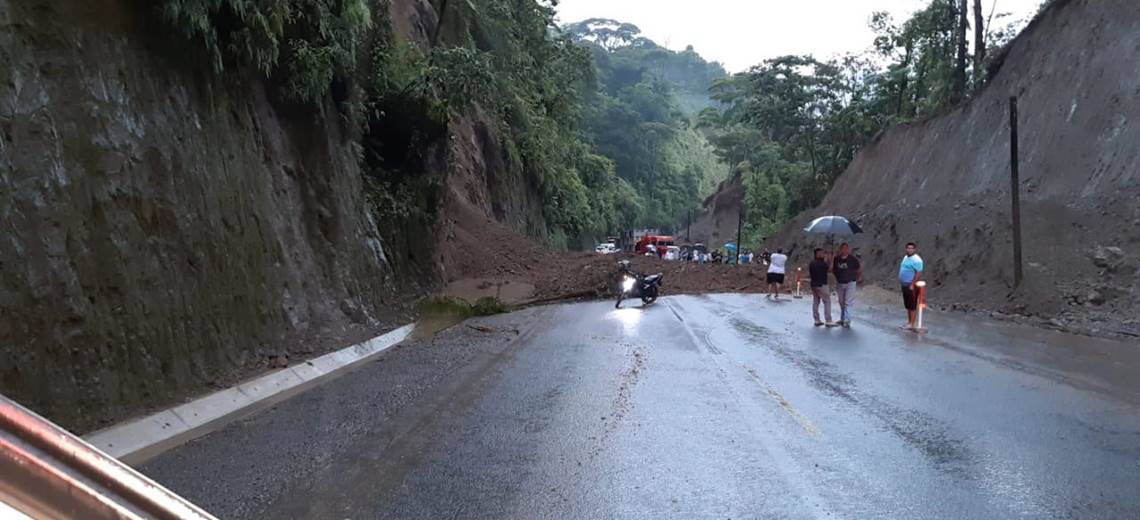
[135,441]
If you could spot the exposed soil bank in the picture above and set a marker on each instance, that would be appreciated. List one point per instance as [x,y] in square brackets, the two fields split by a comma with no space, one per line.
[944,182]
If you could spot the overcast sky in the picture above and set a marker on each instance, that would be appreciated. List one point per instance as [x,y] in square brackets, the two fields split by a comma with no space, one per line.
[741,33]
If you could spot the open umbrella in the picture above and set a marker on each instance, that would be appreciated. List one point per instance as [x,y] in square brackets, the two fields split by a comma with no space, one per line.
[833,225]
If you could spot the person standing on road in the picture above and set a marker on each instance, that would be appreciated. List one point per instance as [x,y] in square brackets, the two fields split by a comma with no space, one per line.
[910,273]
[848,273]
[776,273]
[818,270]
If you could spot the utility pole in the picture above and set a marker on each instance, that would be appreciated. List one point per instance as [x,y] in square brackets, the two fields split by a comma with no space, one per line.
[689,228]
[1015,191]
[739,226]
[959,88]
[979,45]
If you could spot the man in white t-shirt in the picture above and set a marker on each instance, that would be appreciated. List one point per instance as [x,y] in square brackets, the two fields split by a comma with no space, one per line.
[776,273]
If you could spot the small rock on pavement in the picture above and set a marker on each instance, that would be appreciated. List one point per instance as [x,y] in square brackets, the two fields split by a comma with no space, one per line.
[1106,256]
[1095,297]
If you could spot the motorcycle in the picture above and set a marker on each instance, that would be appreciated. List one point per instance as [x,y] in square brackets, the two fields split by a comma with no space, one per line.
[637,285]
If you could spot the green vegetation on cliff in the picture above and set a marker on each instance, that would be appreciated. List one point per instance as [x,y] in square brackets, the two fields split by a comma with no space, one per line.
[601,129]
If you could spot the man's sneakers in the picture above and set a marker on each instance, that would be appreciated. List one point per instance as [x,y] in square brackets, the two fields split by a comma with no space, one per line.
[846,323]
[831,324]
[819,324]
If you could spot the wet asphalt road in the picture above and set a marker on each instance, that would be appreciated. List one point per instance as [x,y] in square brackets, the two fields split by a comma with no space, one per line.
[722,406]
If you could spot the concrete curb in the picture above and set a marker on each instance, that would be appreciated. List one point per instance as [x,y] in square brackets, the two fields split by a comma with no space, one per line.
[136,441]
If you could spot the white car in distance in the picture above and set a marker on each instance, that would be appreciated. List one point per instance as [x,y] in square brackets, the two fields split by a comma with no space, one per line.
[606,248]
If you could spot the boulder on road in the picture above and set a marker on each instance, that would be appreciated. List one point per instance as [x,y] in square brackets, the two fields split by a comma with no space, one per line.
[1106,257]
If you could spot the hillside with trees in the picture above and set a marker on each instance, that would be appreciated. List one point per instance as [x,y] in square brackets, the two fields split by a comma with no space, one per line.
[944,180]
[792,124]
[642,118]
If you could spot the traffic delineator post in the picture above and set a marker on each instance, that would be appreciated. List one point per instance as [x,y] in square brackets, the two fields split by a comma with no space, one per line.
[921,285]
[799,276]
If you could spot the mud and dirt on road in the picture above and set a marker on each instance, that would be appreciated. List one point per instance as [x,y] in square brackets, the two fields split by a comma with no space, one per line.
[578,276]
[480,257]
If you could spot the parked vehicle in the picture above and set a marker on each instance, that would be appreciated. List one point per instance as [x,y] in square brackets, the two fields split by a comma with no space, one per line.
[606,248]
[659,242]
[672,253]
[635,285]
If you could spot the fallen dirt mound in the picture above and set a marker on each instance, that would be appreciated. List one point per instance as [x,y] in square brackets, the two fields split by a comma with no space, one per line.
[556,276]
[585,275]
[482,257]
[476,246]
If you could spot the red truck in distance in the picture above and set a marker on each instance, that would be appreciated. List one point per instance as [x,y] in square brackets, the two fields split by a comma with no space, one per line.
[659,241]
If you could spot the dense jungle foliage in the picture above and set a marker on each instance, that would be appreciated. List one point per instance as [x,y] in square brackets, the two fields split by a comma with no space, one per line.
[613,130]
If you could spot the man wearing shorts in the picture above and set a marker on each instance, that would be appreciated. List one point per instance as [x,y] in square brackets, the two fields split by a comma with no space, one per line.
[820,292]
[776,273]
[910,272]
[848,273]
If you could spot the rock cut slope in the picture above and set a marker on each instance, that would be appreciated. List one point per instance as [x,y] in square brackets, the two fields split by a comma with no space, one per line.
[165,229]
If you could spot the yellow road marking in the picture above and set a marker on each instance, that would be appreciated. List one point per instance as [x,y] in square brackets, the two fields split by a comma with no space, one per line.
[783,402]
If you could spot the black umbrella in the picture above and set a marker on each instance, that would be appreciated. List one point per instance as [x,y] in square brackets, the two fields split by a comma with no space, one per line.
[833,225]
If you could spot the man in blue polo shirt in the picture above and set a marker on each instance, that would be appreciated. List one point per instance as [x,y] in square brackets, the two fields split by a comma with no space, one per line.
[910,272]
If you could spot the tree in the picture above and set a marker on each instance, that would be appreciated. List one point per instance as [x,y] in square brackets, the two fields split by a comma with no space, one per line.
[960,64]
[979,43]
[640,118]
[923,51]
[609,34]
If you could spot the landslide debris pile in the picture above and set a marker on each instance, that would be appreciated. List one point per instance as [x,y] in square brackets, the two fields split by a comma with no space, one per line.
[487,251]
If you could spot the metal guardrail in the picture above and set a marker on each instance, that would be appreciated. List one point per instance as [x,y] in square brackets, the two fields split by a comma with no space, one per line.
[46,472]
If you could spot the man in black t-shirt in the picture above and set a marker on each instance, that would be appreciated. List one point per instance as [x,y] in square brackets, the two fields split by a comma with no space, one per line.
[848,273]
[819,290]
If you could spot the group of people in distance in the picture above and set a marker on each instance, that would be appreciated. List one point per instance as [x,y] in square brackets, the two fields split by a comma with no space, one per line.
[848,274]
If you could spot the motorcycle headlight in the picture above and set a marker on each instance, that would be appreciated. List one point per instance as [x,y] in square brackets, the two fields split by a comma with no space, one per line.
[627,283]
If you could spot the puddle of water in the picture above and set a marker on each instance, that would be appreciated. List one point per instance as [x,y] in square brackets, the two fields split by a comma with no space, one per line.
[430,325]
[472,289]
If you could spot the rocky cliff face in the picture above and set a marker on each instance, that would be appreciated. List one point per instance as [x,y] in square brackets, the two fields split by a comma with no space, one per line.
[718,224]
[165,228]
[944,182]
